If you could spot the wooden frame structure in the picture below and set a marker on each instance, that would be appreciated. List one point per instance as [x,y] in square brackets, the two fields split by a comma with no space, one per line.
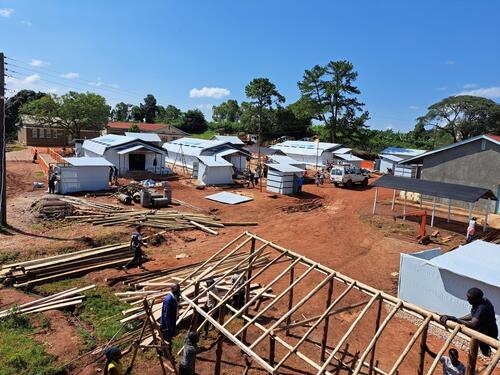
[265,333]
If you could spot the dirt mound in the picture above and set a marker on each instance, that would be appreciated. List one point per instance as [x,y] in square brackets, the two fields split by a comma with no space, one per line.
[50,207]
[304,206]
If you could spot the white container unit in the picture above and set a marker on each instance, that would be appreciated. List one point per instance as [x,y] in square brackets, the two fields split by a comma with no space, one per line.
[282,178]
[82,174]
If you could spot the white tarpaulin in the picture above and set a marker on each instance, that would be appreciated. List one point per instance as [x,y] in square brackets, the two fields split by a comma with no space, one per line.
[228,198]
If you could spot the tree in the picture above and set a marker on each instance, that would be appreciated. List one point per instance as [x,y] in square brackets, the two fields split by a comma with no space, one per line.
[226,112]
[289,124]
[259,111]
[461,117]
[72,112]
[331,95]
[149,108]
[194,121]
[170,114]
[134,128]
[121,112]
[14,104]
[137,113]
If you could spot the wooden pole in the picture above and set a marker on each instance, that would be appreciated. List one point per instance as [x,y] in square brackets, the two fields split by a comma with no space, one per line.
[443,349]
[493,363]
[404,206]
[470,213]
[393,199]
[423,344]
[247,288]
[290,298]
[3,183]
[327,320]
[375,201]
[220,342]
[472,358]
[433,211]
[272,348]
[377,325]
[487,210]
[449,210]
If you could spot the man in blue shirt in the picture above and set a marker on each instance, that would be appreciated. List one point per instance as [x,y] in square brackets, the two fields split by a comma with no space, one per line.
[169,311]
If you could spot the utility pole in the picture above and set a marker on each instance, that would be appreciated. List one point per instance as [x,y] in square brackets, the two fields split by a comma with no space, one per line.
[3,185]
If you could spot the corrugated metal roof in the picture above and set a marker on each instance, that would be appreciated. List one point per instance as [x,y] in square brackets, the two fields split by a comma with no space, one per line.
[100,144]
[212,161]
[285,168]
[228,198]
[87,161]
[283,159]
[477,260]
[390,157]
[305,147]
[229,138]
[192,146]
[147,137]
[409,152]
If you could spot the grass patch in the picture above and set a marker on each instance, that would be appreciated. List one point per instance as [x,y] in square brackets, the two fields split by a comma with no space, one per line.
[59,286]
[19,354]
[9,257]
[205,135]
[15,147]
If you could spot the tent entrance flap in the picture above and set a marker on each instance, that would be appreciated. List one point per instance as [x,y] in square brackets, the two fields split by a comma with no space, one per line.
[137,162]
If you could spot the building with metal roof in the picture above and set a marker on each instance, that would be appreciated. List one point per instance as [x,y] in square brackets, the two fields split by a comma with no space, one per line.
[282,178]
[84,174]
[312,153]
[233,139]
[166,132]
[147,137]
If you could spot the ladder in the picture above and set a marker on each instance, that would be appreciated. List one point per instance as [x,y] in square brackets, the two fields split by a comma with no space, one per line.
[182,159]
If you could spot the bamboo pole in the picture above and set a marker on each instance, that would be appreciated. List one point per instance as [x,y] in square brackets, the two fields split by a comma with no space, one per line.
[290,298]
[220,342]
[472,357]
[272,348]
[442,350]
[247,288]
[493,364]
[377,325]
[327,318]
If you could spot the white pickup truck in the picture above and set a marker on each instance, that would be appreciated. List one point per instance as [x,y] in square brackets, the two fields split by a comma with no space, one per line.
[346,175]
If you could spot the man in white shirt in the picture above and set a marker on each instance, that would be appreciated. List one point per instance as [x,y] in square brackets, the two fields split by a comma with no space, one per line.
[451,364]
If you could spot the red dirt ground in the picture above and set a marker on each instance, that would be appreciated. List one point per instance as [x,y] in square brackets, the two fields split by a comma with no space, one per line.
[337,235]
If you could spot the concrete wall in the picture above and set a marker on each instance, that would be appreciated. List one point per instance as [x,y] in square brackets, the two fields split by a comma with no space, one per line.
[473,164]
[49,137]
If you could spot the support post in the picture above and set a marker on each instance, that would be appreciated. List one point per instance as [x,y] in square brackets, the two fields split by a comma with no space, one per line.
[470,212]
[327,321]
[487,211]
[423,344]
[472,358]
[433,211]
[404,206]
[375,201]
[220,341]
[393,199]
[247,288]
[290,299]
[377,325]
[449,210]
[272,348]
[3,181]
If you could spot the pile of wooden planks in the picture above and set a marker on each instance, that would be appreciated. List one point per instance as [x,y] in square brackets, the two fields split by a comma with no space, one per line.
[90,206]
[64,299]
[167,220]
[42,270]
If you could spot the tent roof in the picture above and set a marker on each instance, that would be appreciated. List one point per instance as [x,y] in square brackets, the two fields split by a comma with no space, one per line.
[285,168]
[347,157]
[435,189]
[419,158]
[228,138]
[305,147]
[87,161]
[211,161]
[477,260]
[192,146]
[342,150]
[283,159]
[148,137]
[390,157]
[408,152]
[254,149]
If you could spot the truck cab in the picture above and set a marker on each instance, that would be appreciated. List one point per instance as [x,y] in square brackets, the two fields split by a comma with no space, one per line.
[347,175]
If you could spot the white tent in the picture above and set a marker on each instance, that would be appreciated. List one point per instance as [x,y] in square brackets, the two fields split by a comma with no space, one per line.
[311,153]
[439,282]
[82,174]
[233,139]
[212,171]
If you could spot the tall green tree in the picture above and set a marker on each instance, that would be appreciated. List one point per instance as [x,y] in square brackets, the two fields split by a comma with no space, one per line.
[14,104]
[332,96]
[73,111]
[149,108]
[193,121]
[137,113]
[461,117]
[170,115]
[226,112]
[121,112]
[264,98]
[134,128]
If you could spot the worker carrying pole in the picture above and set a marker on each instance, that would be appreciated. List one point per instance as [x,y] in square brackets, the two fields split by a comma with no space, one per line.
[136,244]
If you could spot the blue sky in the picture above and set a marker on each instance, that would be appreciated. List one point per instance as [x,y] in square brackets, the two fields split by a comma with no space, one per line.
[408,54]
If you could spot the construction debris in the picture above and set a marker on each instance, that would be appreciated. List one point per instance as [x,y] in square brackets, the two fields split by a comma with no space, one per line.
[50,207]
[42,270]
[64,299]
[304,206]
[167,220]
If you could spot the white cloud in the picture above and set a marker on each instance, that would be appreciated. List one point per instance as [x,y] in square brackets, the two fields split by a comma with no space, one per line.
[6,12]
[32,78]
[413,107]
[38,63]
[489,92]
[450,62]
[26,23]
[70,75]
[469,86]
[209,92]
[31,82]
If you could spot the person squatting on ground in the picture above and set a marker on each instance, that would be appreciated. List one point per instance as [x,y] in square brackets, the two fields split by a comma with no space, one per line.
[136,244]
[191,348]
[451,364]
[169,310]
[113,355]
[481,318]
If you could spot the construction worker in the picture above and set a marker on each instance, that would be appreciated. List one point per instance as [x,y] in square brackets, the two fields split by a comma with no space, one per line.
[211,300]
[451,364]
[238,299]
[191,348]
[113,355]
[481,318]
[168,319]
[35,156]
[136,244]
[471,229]
[52,183]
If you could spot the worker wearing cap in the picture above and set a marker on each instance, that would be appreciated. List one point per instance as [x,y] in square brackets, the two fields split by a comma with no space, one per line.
[113,356]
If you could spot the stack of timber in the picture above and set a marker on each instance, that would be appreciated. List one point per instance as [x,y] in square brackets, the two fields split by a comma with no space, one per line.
[64,299]
[51,207]
[42,270]
[167,220]
[83,206]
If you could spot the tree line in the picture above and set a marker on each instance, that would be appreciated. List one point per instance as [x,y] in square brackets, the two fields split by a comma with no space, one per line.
[328,108]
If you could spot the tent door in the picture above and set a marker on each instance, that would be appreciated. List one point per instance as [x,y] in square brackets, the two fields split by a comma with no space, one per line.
[196,166]
[137,162]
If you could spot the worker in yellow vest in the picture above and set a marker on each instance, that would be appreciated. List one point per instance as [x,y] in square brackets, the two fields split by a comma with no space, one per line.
[113,356]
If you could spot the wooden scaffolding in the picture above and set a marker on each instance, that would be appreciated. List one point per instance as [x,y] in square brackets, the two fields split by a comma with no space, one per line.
[277,336]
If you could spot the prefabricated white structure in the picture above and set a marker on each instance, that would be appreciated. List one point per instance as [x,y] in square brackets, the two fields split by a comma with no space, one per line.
[347,158]
[282,178]
[186,151]
[146,137]
[391,156]
[212,171]
[439,282]
[311,153]
[82,174]
[283,159]
[232,139]
[127,153]
[388,163]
